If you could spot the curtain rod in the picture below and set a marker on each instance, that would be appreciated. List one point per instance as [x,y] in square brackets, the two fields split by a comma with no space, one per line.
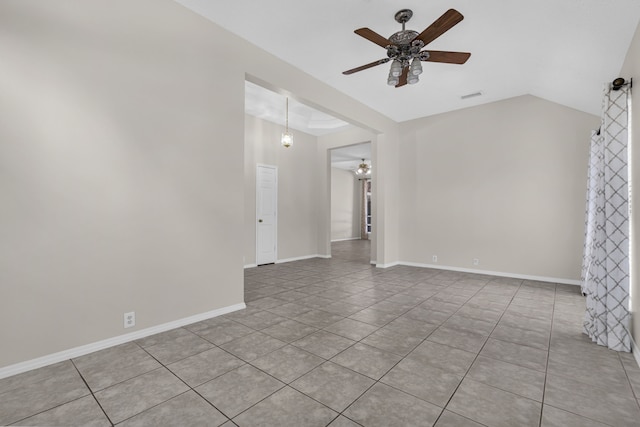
[617,84]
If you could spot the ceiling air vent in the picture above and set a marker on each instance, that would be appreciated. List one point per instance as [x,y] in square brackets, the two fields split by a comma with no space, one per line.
[471,95]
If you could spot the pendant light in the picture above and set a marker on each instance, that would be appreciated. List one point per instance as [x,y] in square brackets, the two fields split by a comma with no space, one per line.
[287,137]
[364,170]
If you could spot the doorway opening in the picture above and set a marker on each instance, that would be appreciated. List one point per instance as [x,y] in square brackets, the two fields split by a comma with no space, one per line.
[351,208]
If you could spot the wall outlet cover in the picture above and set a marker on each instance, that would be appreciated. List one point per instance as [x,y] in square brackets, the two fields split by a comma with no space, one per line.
[130,319]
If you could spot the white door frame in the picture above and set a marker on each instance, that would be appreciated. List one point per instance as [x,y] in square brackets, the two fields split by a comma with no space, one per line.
[275,224]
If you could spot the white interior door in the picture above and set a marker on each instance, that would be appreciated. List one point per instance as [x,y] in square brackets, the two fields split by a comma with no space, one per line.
[266,214]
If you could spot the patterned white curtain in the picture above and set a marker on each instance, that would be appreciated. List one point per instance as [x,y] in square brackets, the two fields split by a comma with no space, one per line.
[593,216]
[363,210]
[605,268]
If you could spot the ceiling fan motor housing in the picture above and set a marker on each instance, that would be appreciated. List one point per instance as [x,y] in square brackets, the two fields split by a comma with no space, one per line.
[404,45]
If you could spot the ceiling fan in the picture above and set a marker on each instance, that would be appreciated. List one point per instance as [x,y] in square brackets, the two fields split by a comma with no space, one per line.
[404,47]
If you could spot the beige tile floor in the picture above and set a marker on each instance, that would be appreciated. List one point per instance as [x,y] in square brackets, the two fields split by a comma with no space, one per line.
[338,342]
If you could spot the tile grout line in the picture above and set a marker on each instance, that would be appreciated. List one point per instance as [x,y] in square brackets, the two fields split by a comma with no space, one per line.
[481,348]
[425,339]
[633,391]
[266,373]
[546,368]
[404,357]
[341,413]
[91,391]
[181,380]
[562,375]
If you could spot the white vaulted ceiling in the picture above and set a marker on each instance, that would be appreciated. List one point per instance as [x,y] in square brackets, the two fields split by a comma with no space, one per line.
[559,50]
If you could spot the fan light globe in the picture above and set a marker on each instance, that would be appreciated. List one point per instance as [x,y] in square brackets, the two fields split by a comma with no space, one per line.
[416,67]
[396,68]
[412,79]
[392,80]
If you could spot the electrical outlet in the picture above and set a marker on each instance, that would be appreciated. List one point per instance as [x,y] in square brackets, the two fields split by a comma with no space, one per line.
[434,258]
[476,261]
[130,319]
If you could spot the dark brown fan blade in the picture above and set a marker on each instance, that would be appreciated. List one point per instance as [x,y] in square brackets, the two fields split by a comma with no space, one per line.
[373,37]
[440,26]
[403,77]
[364,67]
[448,57]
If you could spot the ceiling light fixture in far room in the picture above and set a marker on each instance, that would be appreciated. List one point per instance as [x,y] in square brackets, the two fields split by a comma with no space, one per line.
[287,137]
[364,170]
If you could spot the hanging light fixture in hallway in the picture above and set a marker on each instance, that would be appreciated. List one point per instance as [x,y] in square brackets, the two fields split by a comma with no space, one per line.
[287,137]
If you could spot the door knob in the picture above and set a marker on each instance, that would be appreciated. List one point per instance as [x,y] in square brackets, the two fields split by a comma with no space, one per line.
[259,220]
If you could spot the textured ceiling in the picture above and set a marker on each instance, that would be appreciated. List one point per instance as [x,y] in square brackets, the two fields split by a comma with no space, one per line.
[560,50]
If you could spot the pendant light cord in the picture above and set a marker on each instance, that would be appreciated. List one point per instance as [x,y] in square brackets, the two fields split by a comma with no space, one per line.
[287,115]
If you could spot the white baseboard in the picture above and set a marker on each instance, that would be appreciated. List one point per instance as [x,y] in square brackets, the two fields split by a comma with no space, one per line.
[348,238]
[486,272]
[444,267]
[391,264]
[50,359]
[299,258]
[373,262]
[635,350]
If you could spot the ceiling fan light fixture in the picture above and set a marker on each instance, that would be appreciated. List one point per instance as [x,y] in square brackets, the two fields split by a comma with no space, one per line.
[396,68]
[416,67]
[392,80]
[404,48]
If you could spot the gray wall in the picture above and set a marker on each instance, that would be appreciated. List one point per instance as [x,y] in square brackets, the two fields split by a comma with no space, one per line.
[297,188]
[503,183]
[122,166]
[346,205]
[120,189]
